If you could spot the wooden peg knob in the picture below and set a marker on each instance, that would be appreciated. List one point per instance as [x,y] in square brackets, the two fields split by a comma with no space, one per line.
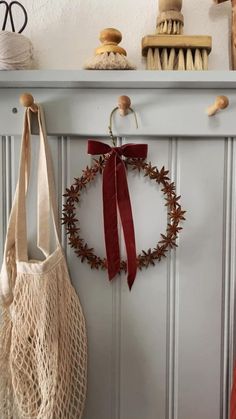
[221,102]
[124,104]
[110,38]
[27,100]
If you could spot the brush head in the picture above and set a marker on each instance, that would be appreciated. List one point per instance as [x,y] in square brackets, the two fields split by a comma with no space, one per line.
[109,61]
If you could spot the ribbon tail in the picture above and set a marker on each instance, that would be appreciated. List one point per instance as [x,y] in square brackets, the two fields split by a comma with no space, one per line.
[126,217]
[110,217]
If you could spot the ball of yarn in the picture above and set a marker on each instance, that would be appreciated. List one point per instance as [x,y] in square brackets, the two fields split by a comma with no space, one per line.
[16,51]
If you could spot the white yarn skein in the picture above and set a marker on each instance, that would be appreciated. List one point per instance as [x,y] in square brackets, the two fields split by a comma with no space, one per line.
[16,51]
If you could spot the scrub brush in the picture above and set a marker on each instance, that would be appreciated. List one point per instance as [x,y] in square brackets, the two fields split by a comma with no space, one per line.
[110,56]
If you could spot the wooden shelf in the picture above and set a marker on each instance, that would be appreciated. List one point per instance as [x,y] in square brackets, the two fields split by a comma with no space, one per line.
[117,79]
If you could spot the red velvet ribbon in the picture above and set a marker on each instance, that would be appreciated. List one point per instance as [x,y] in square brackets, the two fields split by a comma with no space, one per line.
[116,194]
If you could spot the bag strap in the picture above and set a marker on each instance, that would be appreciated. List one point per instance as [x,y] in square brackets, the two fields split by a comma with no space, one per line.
[46,203]
[46,199]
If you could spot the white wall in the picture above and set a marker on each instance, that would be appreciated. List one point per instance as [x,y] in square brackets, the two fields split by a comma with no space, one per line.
[65,32]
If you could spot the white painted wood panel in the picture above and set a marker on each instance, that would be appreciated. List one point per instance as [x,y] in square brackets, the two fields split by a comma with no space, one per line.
[144,337]
[202,277]
[97,294]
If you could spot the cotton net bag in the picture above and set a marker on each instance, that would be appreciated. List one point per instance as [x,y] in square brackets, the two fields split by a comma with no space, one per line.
[43,344]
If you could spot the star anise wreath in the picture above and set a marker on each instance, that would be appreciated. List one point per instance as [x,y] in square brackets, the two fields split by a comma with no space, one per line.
[146,257]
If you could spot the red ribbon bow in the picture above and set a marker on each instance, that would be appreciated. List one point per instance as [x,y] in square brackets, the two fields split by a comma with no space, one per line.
[116,193]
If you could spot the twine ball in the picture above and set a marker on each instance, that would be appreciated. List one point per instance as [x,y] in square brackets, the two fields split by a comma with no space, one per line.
[16,51]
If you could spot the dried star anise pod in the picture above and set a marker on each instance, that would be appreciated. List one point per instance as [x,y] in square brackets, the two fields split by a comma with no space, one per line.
[137,164]
[84,252]
[89,174]
[141,262]
[94,262]
[75,241]
[72,230]
[100,164]
[69,207]
[72,194]
[149,258]
[173,229]
[81,182]
[150,170]
[160,252]
[103,263]
[162,175]
[168,241]
[177,214]
[169,189]
[172,201]
[123,266]
[69,219]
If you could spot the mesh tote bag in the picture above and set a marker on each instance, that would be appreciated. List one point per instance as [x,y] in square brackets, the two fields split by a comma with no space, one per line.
[43,345]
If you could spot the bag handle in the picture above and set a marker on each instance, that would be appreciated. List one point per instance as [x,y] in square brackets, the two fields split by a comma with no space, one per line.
[46,198]
[46,204]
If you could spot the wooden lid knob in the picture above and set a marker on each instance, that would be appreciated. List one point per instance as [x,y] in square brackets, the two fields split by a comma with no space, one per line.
[27,100]
[124,104]
[110,39]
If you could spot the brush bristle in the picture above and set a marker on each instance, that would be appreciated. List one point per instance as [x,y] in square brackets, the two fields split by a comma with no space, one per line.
[109,61]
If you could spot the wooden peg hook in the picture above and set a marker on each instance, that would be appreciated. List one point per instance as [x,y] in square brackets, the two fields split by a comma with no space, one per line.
[124,104]
[221,102]
[27,100]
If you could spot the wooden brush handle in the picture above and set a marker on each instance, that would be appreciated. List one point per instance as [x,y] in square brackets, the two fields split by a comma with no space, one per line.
[110,38]
[166,5]
[170,10]
[233,2]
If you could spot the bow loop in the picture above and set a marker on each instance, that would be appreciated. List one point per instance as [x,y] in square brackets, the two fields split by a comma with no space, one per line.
[135,151]
[116,194]
[96,147]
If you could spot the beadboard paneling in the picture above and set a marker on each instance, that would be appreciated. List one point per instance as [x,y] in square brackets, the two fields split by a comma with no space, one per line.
[166,348]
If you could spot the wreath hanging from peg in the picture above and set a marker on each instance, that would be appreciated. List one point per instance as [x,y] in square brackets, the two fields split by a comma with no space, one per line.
[111,164]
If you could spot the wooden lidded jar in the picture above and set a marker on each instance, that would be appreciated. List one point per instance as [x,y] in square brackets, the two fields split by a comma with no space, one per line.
[166,5]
